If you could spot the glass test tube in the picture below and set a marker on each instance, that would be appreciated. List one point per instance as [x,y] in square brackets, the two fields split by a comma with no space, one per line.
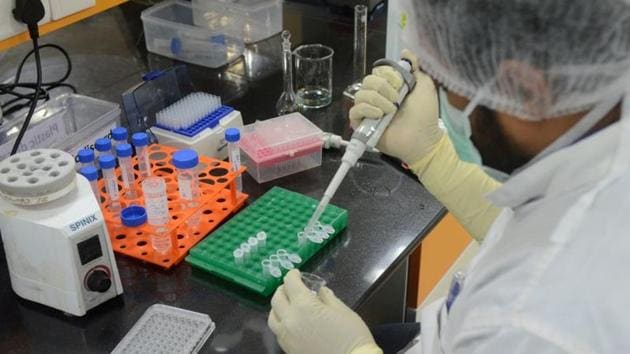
[108,164]
[156,205]
[119,136]
[186,162]
[232,136]
[141,142]
[123,151]
[86,158]
[360,47]
[91,173]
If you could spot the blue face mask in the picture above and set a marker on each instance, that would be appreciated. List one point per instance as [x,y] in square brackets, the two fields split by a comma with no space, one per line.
[457,125]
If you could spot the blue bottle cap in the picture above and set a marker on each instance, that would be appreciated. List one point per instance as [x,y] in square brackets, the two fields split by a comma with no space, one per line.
[140,139]
[187,158]
[119,133]
[89,172]
[123,150]
[107,161]
[86,155]
[103,144]
[232,135]
[133,216]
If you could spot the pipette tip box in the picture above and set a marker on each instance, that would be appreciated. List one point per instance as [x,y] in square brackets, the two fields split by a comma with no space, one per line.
[281,214]
[281,146]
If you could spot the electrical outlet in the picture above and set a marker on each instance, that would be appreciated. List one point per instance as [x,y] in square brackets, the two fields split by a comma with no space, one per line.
[9,27]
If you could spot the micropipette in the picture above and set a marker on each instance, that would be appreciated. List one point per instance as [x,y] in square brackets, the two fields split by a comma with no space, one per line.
[365,136]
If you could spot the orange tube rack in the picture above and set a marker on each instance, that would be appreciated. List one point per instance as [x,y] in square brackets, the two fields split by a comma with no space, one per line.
[218,199]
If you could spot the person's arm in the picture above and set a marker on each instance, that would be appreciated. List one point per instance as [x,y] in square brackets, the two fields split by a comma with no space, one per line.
[414,137]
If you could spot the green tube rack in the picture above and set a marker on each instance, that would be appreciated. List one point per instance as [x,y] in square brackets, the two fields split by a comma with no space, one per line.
[281,214]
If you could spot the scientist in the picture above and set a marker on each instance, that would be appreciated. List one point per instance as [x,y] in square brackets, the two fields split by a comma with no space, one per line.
[535,91]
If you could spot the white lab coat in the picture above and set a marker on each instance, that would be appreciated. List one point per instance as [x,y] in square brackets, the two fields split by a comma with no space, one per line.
[553,273]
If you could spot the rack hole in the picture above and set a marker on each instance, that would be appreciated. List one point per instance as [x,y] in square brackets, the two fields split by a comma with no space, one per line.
[5,170]
[55,155]
[182,246]
[206,181]
[196,233]
[62,163]
[27,173]
[35,153]
[39,160]
[224,209]
[139,233]
[47,168]
[120,237]
[33,180]
[21,166]
[54,174]
[141,243]
[180,236]
[12,179]
[158,156]
[207,211]
[166,260]
[144,253]
[174,217]
[218,172]
[202,175]
[222,180]
[221,200]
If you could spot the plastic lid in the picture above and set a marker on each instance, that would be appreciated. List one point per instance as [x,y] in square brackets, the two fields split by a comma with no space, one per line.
[119,133]
[140,139]
[107,161]
[103,144]
[86,155]
[187,158]
[89,172]
[123,150]
[232,135]
[133,216]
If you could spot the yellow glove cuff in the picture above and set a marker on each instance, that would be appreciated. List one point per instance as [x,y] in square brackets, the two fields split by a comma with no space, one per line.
[370,348]
[460,186]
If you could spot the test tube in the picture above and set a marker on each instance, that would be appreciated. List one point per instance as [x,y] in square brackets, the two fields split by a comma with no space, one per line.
[141,142]
[91,173]
[102,146]
[253,244]
[261,236]
[186,162]
[108,164]
[246,250]
[119,136]
[86,158]
[123,151]
[232,136]
[238,256]
[313,282]
[156,205]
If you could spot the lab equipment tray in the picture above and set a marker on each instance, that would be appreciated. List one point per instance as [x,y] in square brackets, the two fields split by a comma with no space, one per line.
[219,199]
[281,214]
[169,30]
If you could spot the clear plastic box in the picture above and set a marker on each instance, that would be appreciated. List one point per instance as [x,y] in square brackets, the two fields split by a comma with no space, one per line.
[167,329]
[253,20]
[169,30]
[280,147]
[68,122]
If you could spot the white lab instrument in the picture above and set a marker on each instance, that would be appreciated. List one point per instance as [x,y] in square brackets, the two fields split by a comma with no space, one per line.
[55,240]
[197,121]
[141,142]
[108,165]
[124,152]
[232,137]
[156,205]
[91,174]
[365,136]
[186,162]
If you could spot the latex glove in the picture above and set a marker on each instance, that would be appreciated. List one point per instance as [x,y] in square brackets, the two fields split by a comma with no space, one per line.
[414,131]
[306,323]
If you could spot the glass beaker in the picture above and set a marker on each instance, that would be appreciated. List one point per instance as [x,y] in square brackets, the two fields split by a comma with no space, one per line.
[314,74]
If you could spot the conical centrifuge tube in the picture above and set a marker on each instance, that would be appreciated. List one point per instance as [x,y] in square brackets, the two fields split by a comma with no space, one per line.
[287,103]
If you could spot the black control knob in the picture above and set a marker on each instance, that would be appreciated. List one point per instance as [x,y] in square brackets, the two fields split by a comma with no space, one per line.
[98,281]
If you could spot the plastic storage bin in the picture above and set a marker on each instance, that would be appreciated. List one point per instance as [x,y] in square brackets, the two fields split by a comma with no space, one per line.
[169,30]
[68,122]
[280,146]
[253,20]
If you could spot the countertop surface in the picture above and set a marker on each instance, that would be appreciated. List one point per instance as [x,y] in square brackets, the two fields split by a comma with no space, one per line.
[389,211]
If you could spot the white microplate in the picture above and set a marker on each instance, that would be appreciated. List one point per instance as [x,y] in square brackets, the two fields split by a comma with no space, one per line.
[167,329]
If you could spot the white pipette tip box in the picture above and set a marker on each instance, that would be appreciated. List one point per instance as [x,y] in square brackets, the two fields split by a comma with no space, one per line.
[197,121]
[167,329]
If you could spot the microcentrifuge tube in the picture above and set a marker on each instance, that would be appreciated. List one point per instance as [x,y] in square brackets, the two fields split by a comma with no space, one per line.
[261,236]
[275,272]
[253,244]
[313,282]
[141,142]
[108,163]
[286,264]
[246,250]
[91,174]
[266,267]
[232,137]
[124,151]
[295,258]
[238,256]
[156,205]
[275,260]
[186,162]
[282,253]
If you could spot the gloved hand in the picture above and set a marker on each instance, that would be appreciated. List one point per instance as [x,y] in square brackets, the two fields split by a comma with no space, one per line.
[414,131]
[306,323]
